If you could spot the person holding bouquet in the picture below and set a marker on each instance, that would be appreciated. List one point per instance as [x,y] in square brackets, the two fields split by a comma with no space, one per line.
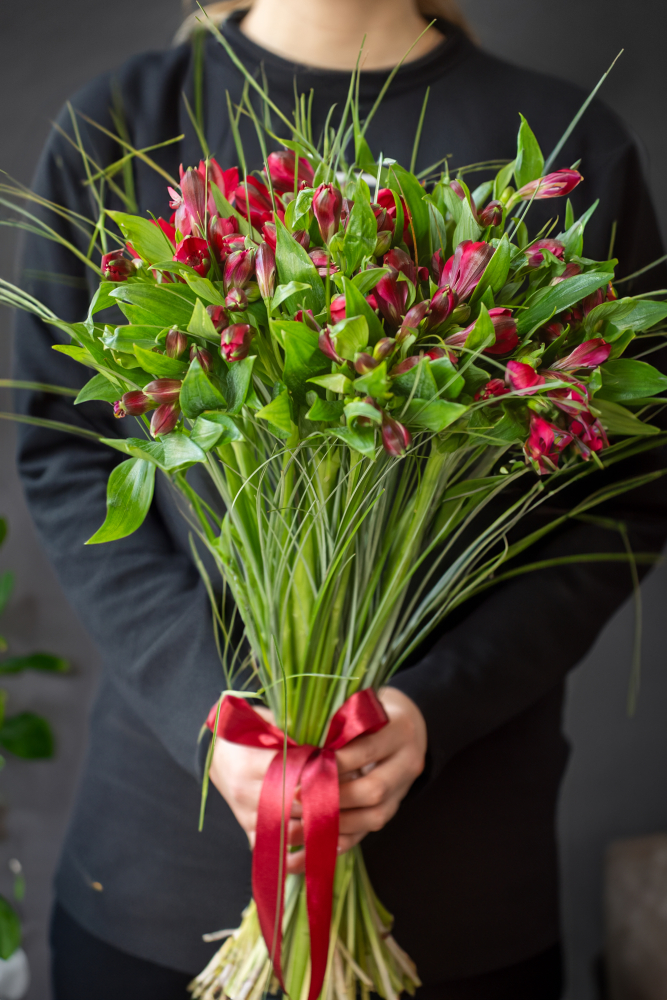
[454,799]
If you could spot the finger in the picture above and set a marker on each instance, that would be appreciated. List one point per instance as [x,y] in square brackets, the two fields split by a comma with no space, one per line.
[385,781]
[363,821]
[295,833]
[367,750]
[347,841]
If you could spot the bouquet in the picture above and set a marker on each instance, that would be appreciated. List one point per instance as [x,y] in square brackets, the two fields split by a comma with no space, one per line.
[381,375]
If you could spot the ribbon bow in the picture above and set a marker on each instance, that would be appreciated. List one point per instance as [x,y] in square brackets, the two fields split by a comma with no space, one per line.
[315,769]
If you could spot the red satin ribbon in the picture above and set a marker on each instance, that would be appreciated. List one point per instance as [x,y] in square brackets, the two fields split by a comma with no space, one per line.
[315,769]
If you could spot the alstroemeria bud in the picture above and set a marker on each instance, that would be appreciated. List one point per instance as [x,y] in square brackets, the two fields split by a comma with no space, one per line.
[552,331]
[327,206]
[414,317]
[135,403]
[306,316]
[395,437]
[326,345]
[391,296]
[236,300]
[383,242]
[401,261]
[345,210]
[338,308]
[384,347]
[163,390]
[239,268]
[302,238]
[492,215]
[235,341]
[590,354]
[504,328]
[534,253]
[555,185]
[194,252]
[116,267]
[165,419]
[458,190]
[404,366]
[218,317]
[571,271]
[442,306]
[175,343]
[281,168]
[193,189]
[203,357]
[265,268]
[364,363]
[495,387]
[522,377]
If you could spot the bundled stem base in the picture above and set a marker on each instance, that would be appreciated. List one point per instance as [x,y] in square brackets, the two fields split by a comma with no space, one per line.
[363,956]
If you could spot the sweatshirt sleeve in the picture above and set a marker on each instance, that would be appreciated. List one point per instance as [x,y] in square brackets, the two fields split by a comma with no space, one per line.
[141,598]
[505,651]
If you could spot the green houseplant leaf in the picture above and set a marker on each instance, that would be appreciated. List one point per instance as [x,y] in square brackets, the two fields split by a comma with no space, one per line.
[129,496]
[10,930]
[27,735]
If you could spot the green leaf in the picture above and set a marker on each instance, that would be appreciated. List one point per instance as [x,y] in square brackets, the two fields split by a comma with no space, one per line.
[361,232]
[101,300]
[356,305]
[201,324]
[277,412]
[212,428]
[467,227]
[156,305]
[628,314]
[503,180]
[226,211]
[483,333]
[99,388]
[147,238]
[3,530]
[543,305]
[152,451]
[201,391]
[426,386]
[159,365]
[35,661]
[376,383]
[294,264]
[351,336]
[334,383]
[359,408]
[237,383]
[10,930]
[28,736]
[303,358]
[496,272]
[573,238]
[361,439]
[617,420]
[626,379]
[407,184]
[180,452]
[434,415]
[123,338]
[204,289]
[129,496]
[529,159]
[365,281]
[284,292]
[6,588]
[326,410]
[445,374]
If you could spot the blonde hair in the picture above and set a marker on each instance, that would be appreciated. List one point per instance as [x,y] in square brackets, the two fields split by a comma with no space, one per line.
[449,10]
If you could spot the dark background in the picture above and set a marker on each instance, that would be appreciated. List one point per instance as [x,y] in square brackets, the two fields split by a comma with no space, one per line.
[617,782]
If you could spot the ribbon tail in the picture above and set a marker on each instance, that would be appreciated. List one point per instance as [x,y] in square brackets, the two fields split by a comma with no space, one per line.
[320,800]
[268,866]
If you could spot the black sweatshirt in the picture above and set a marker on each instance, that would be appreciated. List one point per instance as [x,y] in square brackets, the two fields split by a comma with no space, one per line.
[468,866]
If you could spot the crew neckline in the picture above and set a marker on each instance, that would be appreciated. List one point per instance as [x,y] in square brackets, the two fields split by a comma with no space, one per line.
[281,72]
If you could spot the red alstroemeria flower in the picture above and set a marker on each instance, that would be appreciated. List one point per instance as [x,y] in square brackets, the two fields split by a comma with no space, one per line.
[493,388]
[323,262]
[133,404]
[226,180]
[338,308]
[463,271]
[258,197]
[117,267]
[589,434]
[399,260]
[195,252]
[554,185]
[442,305]
[571,271]
[193,191]
[327,208]
[590,354]
[522,377]
[224,238]
[535,255]
[413,319]
[327,346]
[492,215]
[505,330]
[572,401]
[391,296]
[385,199]
[395,437]
[545,443]
[265,270]
[281,168]
[235,341]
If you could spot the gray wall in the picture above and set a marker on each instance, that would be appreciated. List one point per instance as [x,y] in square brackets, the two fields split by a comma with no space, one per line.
[617,779]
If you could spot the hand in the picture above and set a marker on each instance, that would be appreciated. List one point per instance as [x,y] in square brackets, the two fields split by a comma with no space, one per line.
[375,774]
